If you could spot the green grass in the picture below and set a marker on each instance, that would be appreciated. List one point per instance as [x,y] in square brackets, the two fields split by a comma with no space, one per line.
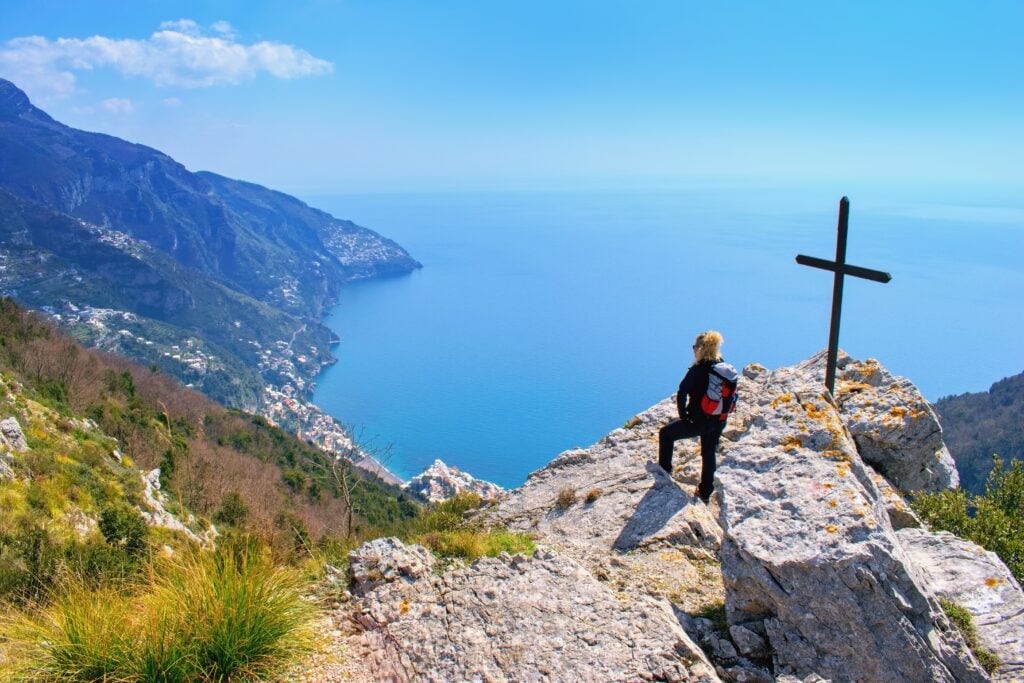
[449,531]
[964,622]
[469,544]
[716,614]
[227,615]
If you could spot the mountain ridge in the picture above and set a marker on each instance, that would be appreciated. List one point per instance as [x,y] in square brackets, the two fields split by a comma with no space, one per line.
[148,258]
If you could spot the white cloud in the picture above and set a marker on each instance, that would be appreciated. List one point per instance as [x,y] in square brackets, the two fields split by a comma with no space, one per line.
[186,26]
[224,28]
[171,102]
[179,54]
[118,105]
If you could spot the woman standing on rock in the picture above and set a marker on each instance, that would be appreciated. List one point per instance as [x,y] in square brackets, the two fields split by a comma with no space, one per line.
[706,397]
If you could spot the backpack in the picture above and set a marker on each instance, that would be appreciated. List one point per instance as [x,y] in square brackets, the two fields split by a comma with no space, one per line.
[720,398]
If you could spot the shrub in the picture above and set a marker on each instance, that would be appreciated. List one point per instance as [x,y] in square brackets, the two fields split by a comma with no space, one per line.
[994,521]
[122,525]
[592,495]
[566,497]
[632,422]
[233,510]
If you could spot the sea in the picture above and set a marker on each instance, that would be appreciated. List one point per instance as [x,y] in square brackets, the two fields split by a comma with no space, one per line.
[540,321]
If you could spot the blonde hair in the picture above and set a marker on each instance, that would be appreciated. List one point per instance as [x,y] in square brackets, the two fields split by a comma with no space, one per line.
[707,346]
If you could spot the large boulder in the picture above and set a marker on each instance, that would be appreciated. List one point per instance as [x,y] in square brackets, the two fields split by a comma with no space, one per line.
[514,618]
[810,559]
[978,581]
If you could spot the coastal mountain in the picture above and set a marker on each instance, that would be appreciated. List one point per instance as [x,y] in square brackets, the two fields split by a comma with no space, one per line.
[217,281]
[809,564]
[977,426]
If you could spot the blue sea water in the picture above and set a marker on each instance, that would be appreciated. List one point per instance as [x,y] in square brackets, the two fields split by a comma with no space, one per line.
[541,321]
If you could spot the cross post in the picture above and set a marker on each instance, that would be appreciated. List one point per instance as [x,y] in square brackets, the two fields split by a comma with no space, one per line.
[840,268]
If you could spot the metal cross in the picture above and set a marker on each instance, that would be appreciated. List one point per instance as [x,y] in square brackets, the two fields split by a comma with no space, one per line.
[841,268]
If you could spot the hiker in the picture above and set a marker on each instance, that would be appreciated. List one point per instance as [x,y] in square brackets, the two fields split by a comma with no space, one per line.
[706,397]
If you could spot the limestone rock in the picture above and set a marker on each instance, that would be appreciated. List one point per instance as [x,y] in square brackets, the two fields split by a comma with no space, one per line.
[978,581]
[514,618]
[440,482]
[809,552]
[384,560]
[621,499]
[12,433]
[749,643]
[6,471]
[895,428]
[156,514]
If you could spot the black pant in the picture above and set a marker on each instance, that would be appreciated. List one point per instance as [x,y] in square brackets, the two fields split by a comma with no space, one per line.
[709,432]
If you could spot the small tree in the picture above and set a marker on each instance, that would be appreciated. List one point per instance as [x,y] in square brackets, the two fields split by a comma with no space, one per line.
[233,511]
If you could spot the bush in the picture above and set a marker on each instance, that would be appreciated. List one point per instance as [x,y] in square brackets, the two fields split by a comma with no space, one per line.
[592,496]
[994,521]
[122,525]
[233,510]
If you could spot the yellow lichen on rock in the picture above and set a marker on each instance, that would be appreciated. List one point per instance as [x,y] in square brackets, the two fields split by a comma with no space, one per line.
[781,400]
[792,443]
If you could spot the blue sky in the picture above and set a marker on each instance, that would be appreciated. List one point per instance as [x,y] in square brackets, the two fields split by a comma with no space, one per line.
[323,96]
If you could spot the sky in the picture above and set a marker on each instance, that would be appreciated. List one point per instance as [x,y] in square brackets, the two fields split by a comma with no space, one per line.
[322,97]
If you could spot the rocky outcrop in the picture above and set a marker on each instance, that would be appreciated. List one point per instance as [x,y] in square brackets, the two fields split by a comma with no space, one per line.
[977,580]
[12,434]
[440,482]
[156,514]
[821,573]
[894,427]
[512,618]
[810,559]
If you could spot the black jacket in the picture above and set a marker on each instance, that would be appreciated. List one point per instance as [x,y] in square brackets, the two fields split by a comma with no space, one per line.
[692,389]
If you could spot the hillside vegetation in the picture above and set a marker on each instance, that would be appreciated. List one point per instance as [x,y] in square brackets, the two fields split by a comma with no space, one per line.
[97,584]
[977,426]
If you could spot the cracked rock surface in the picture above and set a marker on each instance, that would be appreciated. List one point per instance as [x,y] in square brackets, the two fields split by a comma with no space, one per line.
[514,618]
[977,580]
[809,557]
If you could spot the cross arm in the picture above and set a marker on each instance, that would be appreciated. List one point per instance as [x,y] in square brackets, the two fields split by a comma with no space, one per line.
[847,269]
